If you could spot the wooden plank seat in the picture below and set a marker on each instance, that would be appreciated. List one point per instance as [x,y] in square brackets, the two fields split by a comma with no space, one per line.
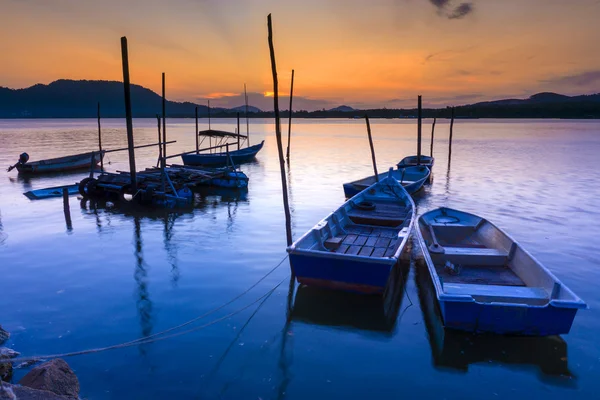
[473,255]
[384,214]
[502,293]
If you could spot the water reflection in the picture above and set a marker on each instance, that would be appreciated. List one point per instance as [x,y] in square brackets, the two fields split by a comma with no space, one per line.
[456,351]
[143,302]
[3,235]
[352,311]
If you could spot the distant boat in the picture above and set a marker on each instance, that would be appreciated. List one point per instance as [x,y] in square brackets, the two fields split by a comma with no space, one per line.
[56,191]
[486,282]
[412,178]
[240,156]
[355,247]
[60,164]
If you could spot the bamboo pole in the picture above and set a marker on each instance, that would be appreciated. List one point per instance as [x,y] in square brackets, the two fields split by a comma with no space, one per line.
[196,134]
[67,208]
[372,148]
[100,141]
[209,114]
[160,146]
[432,134]
[247,123]
[238,130]
[450,139]
[286,206]
[164,117]
[290,118]
[419,121]
[128,116]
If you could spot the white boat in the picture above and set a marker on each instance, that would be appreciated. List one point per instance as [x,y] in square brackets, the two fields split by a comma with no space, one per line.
[486,282]
[355,247]
[411,178]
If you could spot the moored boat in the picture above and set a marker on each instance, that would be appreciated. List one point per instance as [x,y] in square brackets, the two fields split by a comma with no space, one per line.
[355,247]
[60,164]
[486,282]
[411,178]
[412,161]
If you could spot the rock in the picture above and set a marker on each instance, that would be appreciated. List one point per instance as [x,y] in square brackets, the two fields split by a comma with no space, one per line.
[54,376]
[14,392]
[4,335]
[6,368]
[5,352]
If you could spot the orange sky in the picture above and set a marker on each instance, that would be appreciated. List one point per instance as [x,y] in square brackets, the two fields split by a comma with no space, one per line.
[355,52]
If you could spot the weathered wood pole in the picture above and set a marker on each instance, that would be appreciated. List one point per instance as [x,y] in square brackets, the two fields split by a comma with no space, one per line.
[419,131]
[290,118]
[208,114]
[164,117]
[196,134]
[247,123]
[128,117]
[372,148]
[286,206]
[451,128]
[100,141]
[160,155]
[238,130]
[432,134]
[66,208]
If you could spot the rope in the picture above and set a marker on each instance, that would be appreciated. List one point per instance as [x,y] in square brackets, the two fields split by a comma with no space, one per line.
[152,338]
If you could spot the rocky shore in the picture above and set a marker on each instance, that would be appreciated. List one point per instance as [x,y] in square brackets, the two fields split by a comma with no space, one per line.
[52,380]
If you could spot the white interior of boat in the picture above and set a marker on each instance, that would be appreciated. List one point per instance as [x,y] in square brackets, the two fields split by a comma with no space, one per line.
[474,258]
[405,176]
[375,224]
[412,160]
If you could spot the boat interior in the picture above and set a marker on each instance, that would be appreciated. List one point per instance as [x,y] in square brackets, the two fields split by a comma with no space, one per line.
[405,176]
[473,257]
[372,224]
[412,160]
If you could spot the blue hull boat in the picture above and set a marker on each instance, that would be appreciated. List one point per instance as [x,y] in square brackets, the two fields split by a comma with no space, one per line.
[411,178]
[355,247]
[238,156]
[232,180]
[412,161]
[486,282]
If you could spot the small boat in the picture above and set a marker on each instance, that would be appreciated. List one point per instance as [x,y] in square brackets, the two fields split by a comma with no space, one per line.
[239,156]
[412,161]
[60,164]
[412,178]
[486,282]
[56,191]
[355,247]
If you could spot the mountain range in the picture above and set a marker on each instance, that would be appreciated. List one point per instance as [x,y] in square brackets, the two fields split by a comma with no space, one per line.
[78,99]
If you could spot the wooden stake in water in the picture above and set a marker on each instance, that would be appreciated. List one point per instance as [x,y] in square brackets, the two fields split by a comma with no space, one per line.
[100,141]
[286,206]
[196,134]
[419,131]
[432,133]
[66,208]
[238,130]
[128,117]
[164,117]
[372,148]
[160,146]
[247,123]
[208,114]
[450,139]
[290,118]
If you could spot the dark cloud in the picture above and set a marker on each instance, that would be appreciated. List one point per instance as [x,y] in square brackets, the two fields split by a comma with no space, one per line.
[580,79]
[446,8]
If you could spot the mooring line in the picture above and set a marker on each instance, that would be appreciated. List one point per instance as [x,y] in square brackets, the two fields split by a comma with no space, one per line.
[153,338]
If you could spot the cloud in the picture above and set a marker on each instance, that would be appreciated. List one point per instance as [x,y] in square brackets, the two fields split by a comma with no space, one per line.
[580,79]
[446,8]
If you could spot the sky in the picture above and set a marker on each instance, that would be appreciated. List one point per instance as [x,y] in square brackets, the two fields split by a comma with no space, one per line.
[361,53]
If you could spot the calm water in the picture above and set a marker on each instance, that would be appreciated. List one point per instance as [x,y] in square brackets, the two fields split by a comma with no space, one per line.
[119,275]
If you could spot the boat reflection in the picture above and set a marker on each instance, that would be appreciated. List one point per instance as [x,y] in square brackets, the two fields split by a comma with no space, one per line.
[456,351]
[352,311]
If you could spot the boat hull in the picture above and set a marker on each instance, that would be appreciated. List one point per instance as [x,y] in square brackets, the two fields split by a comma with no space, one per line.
[233,180]
[353,188]
[238,156]
[411,161]
[63,164]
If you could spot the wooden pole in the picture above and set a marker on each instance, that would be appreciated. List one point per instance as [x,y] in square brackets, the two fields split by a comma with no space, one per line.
[290,118]
[372,148]
[419,131]
[160,146]
[164,117]
[238,130]
[247,123]
[208,114]
[196,134]
[100,141]
[128,117]
[286,206]
[432,134]
[66,208]
[451,128]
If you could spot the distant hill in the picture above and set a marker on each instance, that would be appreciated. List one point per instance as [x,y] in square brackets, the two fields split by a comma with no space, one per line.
[343,109]
[241,109]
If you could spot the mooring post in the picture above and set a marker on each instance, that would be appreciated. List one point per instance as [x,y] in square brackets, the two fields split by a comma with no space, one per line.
[164,117]
[196,134]
[432,133]
[451,127]
[238,130]
[66,208]
[100,141]
[128,117]
[286,206]
[419,131]
[372,148]
[209,114]
[159,142]
[290,118]
[247,123]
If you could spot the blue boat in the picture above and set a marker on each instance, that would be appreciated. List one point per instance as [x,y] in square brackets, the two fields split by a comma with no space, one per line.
[355,247]
[486,282]
[411,178]
[238,156]
[412,161]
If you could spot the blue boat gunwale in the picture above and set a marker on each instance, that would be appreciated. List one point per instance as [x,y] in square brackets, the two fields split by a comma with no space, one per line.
[577,303]
[292,249]
[415,186]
